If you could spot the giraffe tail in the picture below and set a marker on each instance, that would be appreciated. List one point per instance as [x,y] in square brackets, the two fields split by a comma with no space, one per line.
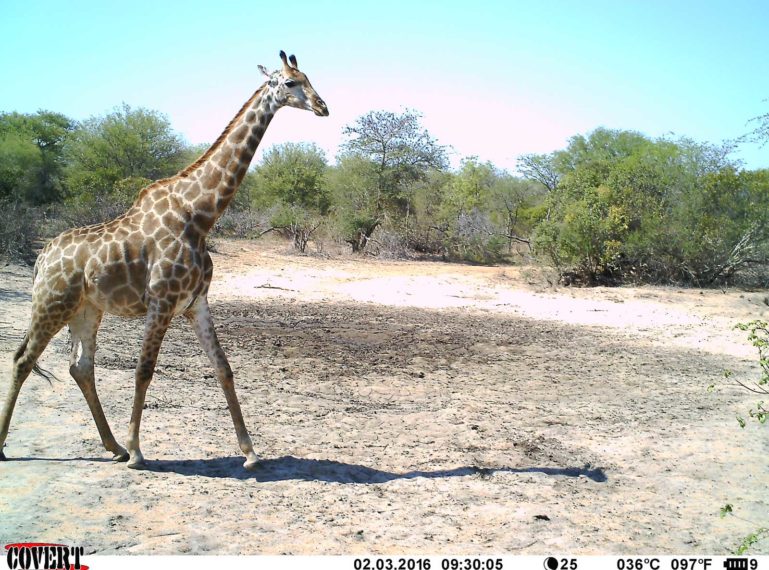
[42,372]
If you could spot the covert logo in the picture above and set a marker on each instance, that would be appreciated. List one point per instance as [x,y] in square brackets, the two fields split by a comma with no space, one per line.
[43,556]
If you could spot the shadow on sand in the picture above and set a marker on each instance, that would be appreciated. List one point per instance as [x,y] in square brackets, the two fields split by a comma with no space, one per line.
[290,468]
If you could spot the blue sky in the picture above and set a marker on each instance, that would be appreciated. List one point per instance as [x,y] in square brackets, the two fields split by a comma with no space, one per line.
[492,79]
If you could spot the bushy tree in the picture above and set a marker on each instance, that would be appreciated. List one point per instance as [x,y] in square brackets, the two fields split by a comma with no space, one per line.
[468,230]
[291,174]
[20,160]
[31,155]
[425,229]
[396,143]
[629,207]
[542,168]
[728,217]
[125,144]
[386,158]
[400,151]
[289,184]
[516,207]
[356,200]
[482,211]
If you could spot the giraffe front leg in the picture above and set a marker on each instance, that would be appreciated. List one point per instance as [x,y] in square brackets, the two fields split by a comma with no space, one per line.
[159,315]
[199,316]
[83,328]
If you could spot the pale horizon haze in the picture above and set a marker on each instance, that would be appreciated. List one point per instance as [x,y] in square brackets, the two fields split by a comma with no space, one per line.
[491,79]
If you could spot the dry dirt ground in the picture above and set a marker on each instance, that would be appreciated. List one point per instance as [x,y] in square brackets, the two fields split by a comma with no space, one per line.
[402,407]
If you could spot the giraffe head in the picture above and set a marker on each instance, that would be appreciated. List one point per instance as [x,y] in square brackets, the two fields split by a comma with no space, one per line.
[291,87]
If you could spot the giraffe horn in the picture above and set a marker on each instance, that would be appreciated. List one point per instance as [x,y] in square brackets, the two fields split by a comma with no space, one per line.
[292,59]
[284,59]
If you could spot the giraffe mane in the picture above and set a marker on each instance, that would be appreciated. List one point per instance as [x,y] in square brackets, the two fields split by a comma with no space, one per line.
[206,155]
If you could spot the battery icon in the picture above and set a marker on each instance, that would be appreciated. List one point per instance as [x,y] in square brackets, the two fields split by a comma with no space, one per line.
[736,564]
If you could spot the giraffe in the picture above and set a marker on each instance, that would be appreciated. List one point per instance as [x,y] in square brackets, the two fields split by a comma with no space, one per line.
[152,261]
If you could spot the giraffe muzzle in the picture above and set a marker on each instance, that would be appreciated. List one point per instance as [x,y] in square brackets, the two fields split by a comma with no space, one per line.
[319,108]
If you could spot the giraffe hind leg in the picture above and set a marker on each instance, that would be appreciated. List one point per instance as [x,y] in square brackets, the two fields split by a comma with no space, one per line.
[83,328]
[24,361]
[10,402]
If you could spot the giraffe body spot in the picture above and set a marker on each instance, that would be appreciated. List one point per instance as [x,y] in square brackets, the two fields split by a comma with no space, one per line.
[150,224]
[161,206]
[239,134]
[213,179]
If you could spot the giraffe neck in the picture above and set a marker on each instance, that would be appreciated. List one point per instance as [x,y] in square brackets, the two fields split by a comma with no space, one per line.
[209,184]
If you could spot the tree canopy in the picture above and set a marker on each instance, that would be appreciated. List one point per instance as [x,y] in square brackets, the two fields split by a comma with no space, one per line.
[612,206]
[291,173]
[627,206]
[126,144]
[31,155]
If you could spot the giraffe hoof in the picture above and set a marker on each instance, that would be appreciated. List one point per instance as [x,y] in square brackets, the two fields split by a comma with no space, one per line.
[120,457]
[2,456]
[251,463]
[137,461]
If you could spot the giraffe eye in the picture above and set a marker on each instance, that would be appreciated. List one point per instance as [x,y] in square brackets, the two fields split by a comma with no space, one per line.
[290,83]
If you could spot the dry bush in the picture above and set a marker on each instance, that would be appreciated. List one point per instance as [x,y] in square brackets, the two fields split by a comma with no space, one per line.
[19,226]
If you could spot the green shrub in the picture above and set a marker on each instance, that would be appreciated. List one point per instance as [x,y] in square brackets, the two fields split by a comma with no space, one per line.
[631,208]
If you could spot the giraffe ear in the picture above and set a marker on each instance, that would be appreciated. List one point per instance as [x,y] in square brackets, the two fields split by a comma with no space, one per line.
[263,70]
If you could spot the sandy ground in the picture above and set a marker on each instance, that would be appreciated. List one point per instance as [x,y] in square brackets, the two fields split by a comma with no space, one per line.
[402,407]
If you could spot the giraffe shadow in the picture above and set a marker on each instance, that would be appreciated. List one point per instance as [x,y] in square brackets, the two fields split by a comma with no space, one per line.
[56,459]
[289,468]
